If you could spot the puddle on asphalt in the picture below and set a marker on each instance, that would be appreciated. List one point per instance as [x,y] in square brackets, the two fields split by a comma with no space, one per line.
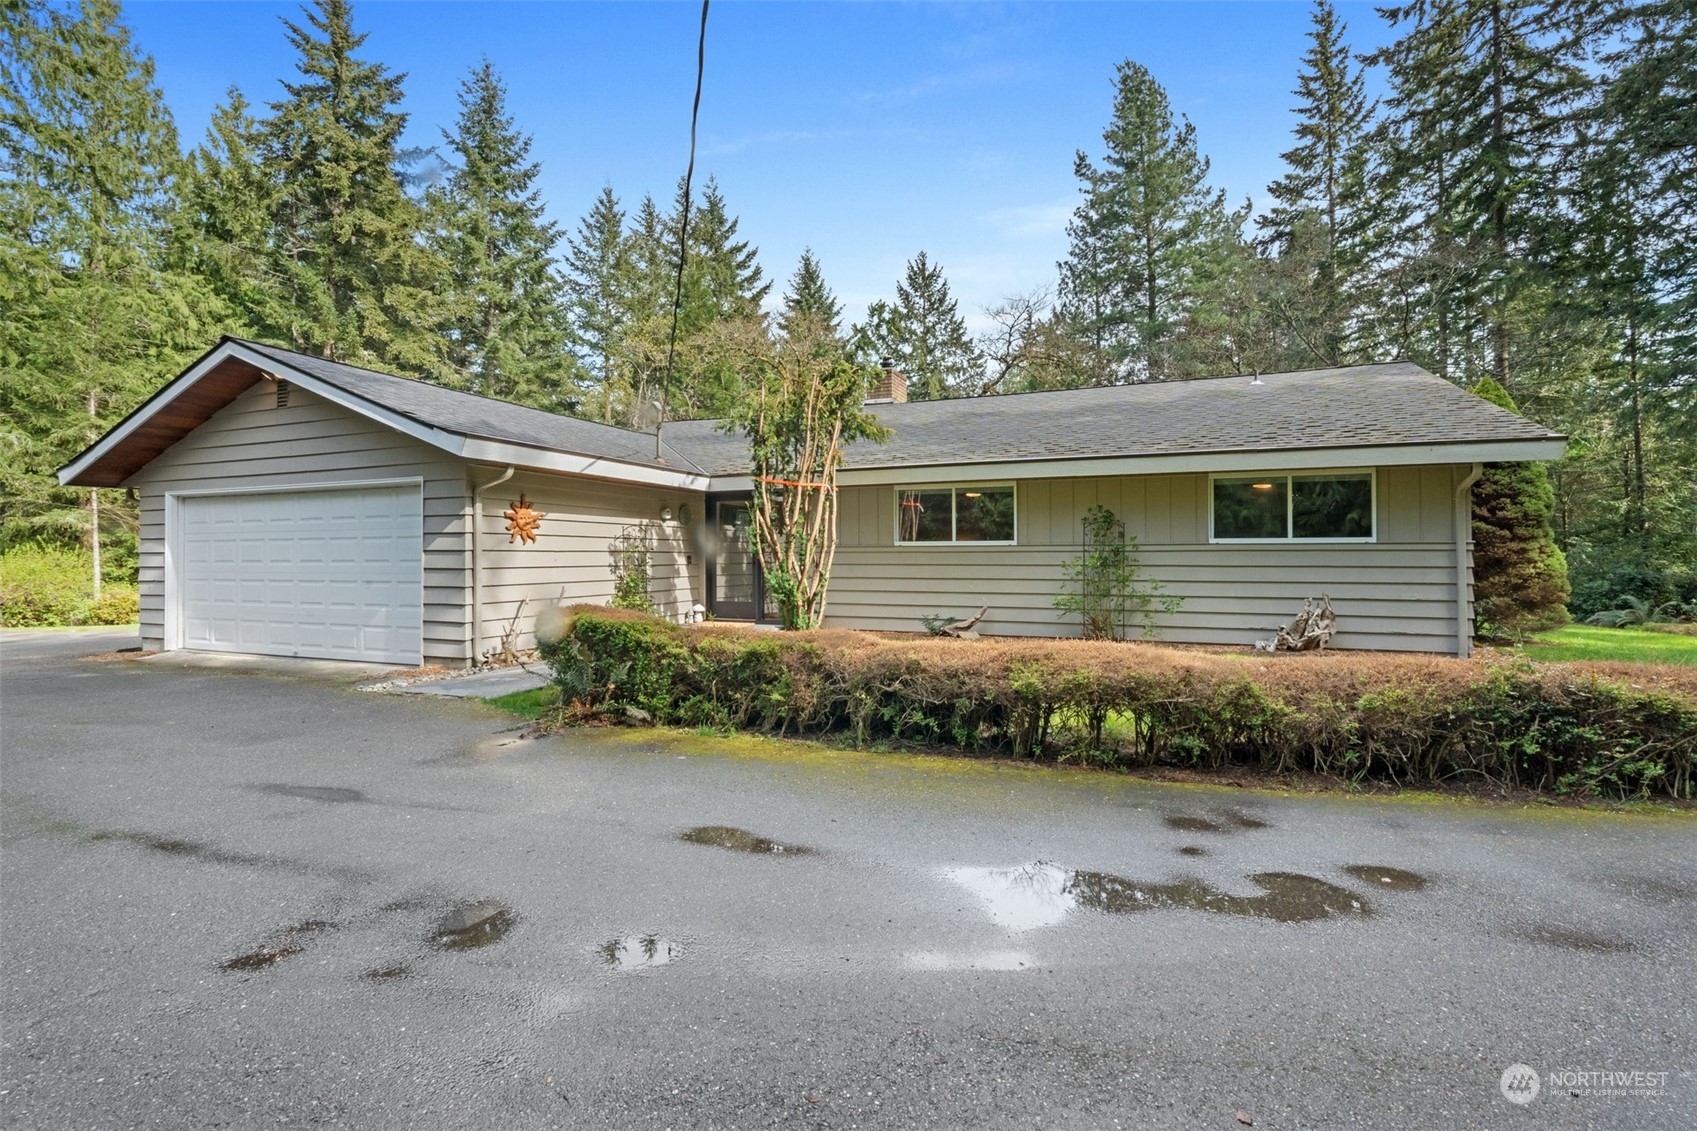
[1570,938]
[474,925]
[267,956]
[1193,850]
[331,794]
[148,840]
[1220,821]
[387,973]
[741,840]
[261,959]
[1654,889]
[996,960]
[172,846]
[1041,894]
[1390,879]
[640,952]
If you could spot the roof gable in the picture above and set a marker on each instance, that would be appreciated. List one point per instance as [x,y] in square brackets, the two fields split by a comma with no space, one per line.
[464,424]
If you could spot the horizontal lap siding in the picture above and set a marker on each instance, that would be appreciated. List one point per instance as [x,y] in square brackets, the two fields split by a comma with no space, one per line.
[311,442]
[570,559]
[1397,593]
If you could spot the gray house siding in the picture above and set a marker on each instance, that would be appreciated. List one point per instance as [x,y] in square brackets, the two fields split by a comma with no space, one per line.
[1396,593]
[252,443]
[570,558]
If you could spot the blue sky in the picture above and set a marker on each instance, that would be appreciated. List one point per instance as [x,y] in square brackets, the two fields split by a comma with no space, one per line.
[868,131]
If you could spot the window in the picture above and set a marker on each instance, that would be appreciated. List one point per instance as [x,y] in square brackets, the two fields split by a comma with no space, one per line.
[955,514]
[1329,506]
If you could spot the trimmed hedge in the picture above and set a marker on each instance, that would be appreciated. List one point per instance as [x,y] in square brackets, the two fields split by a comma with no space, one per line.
[1581,729]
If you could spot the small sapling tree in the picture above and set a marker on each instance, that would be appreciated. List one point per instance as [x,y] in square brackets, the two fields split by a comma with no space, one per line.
[1107,589]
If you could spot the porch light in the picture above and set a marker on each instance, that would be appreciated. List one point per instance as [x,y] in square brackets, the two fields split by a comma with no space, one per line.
[1261,486]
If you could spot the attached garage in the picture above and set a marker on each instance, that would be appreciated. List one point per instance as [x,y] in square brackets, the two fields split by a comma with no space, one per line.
[332,574]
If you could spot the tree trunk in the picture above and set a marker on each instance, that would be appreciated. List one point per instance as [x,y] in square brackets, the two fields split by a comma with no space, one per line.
[94,513]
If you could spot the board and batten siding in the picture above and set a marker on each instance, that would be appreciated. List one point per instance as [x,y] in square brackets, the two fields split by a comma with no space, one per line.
[570,560]
[1397,593]
[252,443]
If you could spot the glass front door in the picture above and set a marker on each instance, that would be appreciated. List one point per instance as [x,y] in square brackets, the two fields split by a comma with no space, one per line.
[735,588]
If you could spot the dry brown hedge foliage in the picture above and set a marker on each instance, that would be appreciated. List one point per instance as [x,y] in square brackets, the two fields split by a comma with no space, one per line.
[1598,729]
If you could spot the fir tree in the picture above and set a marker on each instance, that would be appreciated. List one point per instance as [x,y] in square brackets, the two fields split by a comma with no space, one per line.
[93,317]
[598,282]
[923,333]
[1313,226]
[1483,94]
[223,217]
[809,297]
[1148,236]
[359,284]
[506,333]
[1519,575]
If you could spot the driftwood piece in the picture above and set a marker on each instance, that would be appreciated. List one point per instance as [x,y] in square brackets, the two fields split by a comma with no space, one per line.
[963,629]
[1311,631]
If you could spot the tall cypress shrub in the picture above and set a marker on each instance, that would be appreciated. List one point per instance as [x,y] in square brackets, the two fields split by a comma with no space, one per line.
[1519,573]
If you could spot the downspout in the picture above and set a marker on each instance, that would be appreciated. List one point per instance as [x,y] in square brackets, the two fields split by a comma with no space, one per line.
[1463,534]
[477,562]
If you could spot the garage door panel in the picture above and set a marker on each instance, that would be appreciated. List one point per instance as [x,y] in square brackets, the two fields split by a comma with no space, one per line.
[326,573]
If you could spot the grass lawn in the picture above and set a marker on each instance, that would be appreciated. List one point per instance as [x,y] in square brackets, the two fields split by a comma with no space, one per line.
[530,704]
[1633,645]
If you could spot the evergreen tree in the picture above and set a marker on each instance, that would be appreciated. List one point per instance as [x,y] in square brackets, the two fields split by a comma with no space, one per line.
[506,333]
[598,282]
[359,284]
[1519,576]
[722,282]
[809,297]
[1149,236]
[1313,226]
[1625,507]
[1482,99]
[722,276]
[223,217]
[923,333]
[93,318]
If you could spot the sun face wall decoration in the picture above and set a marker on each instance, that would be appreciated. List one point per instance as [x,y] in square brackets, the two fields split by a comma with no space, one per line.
[522,521]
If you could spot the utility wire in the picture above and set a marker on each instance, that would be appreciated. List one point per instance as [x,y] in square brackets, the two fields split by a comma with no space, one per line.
[683,225]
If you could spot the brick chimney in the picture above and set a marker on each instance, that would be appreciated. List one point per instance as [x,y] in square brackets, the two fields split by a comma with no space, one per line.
[890,387]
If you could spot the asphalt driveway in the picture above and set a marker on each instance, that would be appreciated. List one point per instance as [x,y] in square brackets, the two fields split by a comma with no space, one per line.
[235,900]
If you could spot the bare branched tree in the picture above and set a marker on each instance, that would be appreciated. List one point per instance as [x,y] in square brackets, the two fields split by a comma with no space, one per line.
[805,403]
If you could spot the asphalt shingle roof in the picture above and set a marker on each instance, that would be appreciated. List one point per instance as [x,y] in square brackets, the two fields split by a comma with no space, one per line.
[467,414]
[1389,404]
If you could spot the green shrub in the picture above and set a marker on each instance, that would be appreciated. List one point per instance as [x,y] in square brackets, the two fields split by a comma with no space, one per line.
[1402,719]
[50,587]
[115,605]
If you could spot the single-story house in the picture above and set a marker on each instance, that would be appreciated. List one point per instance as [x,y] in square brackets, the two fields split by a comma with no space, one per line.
[296,506]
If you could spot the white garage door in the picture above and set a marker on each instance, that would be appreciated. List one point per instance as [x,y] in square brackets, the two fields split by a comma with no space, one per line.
[333,574]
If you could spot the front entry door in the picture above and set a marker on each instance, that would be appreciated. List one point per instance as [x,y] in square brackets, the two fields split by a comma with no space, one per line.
[736,589]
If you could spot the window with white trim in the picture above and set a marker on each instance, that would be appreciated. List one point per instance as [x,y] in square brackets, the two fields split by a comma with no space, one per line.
[982,513]
[1323,506]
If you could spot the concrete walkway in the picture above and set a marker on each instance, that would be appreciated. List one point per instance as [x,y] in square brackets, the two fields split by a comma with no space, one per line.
[478,685]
